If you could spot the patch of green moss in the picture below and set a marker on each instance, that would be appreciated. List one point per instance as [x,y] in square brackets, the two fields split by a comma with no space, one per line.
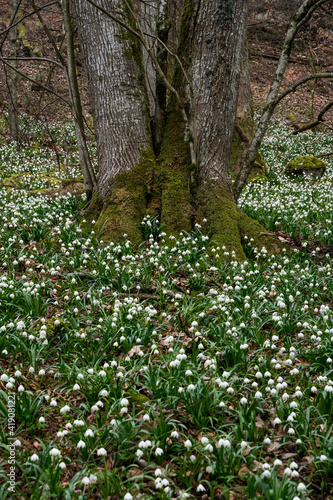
[14,181]
[130,197]
[94,208]
[70,182]
[23,181]
[174,175]
[43,191]
[259,171]
[252,229]
[136,397]
[306,165]
[52,329]
[239,145]
[229,225]
[222,215]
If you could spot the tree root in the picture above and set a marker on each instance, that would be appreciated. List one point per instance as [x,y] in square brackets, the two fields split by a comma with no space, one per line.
[231,228]
[163,191]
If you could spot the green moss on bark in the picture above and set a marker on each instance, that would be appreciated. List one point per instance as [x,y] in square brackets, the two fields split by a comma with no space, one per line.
[131,197]
[240,142]
[259,171]
[174,175]
[229,225]
[309,165]
[222,215]
[94,208]
[176,170]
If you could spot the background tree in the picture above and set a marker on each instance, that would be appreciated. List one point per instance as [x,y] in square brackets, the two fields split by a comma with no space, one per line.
[12,75]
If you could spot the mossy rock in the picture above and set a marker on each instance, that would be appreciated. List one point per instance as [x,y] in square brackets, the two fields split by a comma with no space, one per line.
[22,181]
[308,165]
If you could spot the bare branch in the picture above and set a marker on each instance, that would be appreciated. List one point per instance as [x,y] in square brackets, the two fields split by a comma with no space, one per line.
[317,121]
[11,22]
[27,77]
[45,59]
[48,34]
[299,82]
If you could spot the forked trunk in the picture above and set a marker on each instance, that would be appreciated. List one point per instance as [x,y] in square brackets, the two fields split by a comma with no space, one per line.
[190,178]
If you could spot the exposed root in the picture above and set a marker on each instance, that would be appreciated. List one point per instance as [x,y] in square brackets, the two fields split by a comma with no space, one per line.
[229,225]
[164,190]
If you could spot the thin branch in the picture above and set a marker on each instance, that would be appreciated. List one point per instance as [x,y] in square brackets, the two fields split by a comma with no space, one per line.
[317,121]
[45,59]
[11,22]
[299,82]
[24,75]
[48,34]
[172,54]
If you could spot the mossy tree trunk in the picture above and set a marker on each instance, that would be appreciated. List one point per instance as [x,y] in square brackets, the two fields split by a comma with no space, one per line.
[113,64]
[119,104]
[190,177]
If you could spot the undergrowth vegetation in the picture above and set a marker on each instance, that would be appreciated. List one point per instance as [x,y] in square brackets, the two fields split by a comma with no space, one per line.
[165,371]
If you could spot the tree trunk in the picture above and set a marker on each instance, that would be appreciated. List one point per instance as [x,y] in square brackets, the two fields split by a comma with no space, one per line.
[244,125]
[89,178]
[113,64]
[211,49]
[219,29]
[163,28]
[190,178]
[148,25]
[155,24]
[12,77]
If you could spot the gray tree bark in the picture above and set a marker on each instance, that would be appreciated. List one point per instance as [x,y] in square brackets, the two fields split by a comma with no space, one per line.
[163,28]
[244,123]
[148,25]
[218,38]
[118,96]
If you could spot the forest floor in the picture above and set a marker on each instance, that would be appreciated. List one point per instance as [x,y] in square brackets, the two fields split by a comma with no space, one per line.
[164,371]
